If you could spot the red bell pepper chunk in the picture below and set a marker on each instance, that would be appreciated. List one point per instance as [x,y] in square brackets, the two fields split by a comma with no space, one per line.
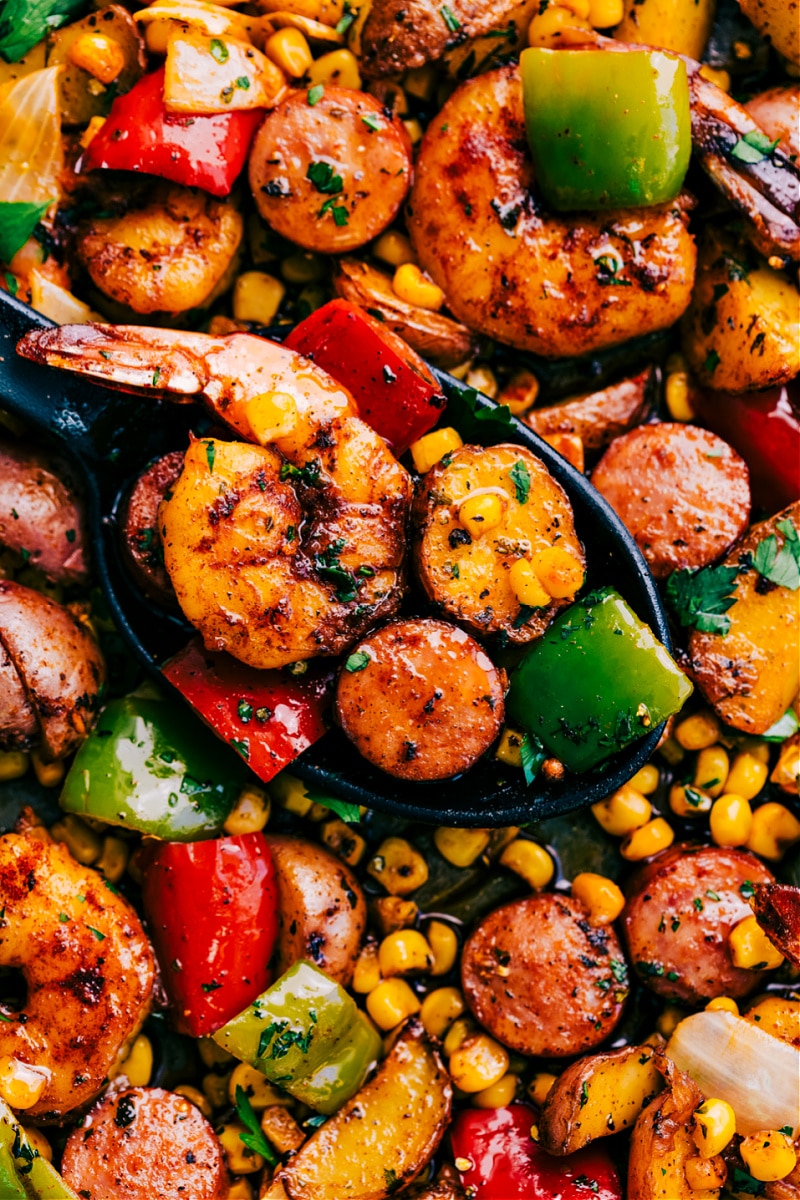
[394,389]
[139,134]
[507,1164]
[212,909]
[764,428]
[269,717]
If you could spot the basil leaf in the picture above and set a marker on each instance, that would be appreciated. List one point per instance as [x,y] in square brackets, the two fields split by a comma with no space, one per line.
[17,223]
[23,23]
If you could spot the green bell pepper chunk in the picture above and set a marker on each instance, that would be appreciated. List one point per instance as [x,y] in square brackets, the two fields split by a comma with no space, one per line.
[150,765]
[606,130]
[24,1174]
[597,680]
[307,1036]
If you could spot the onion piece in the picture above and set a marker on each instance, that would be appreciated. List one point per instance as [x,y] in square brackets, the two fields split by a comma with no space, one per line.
[731,1059]
[55,302]
[31,154]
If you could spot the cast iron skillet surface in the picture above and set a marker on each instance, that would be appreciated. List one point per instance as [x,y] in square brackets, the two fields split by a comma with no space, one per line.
[111,436]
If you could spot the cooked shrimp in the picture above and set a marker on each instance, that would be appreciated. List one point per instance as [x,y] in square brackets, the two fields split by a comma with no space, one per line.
[301,540]
[167,257]
[87,965]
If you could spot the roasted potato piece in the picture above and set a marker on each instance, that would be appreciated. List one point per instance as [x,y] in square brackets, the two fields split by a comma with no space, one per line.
[322,909]
[83,96]
[662,1142]
[597,417]
[777,909]
[750,676]
[383,1137]
[467,575]
[741,332]
[438,338]
[445,1186]
[779,22]
[41,516]
[597,1096]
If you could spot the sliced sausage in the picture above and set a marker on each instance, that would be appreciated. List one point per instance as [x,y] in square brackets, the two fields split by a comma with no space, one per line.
[682,492]
[597,418]
[145,1144]
[332,175]
[141,539]
[41,516]
[680,911]
[543,980]
[420,699]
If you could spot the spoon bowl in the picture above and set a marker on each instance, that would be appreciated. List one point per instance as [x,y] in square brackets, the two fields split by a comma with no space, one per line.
[110,437]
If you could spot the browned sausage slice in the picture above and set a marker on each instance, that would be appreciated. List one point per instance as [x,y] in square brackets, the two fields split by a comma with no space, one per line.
[544,981]
[145,1144]
[682,492]
[420,699]
[41,516]
[681,909]
[141,540]
[332,175]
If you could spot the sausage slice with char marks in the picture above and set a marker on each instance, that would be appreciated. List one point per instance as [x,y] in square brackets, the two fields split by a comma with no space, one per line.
[145,1144]
[543,980]
[677,922]
[682,492]
[420,699]
[141,538]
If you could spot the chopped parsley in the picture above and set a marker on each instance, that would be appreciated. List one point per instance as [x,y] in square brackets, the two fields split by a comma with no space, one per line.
[532,754]
[211,987]
[254,1139]
[372,121]
[307,475]
[244,711]
[747,889]
[712,362]
[357,661]
[754,147]
[241,747]
[584,1093]
[211,454]
[243,83]
[337,211]
[11,284]
[324,178]
[218,50]
[315,94]
[391,1180]
[101,937]
[450,19]
[344,23]
[331,570]
[700,599]
[781,567]
[521,478]
[608,269]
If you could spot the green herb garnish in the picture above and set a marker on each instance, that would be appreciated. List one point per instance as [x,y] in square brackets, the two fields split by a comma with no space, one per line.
[701,598]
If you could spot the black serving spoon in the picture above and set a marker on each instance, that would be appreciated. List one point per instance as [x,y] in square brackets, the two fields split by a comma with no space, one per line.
[111,436]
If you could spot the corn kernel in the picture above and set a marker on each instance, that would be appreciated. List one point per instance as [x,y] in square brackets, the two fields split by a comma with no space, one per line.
[731,820]
[483,379]
[723,1004]
[240,1190]
[669,1019]
[478,1063]
[688,801]
[461,847]
[529,860]
[672,751]
[290,51]
[302,267]
[509,748]
[281,1129]
[394,248]
[101,56]
[557,26]
[290,792]
[421,82]
[38,1142]
[392,913]
[775,829]
[213,1055]
[21,1085]
[398,866]
[391,1002]
[344,841]
[526,585]
[605,13]
[520,393]
[49,774]
[339,67]
[249,814]
[715,1125]
[414,130]
[459,1031]
[367,972]
[787,769]
[558,571]
[13,765]
[427,451]
[443,941]
[195,1097]
[579,7]
[241,1159]
[719,78]
[215,1089]
[656,835]
[479,514]
[137,1065]
[677,395]
[747,776]
[622,812]
[405,952]
[498,1094]
[711,770]
[751,949]
[768,1156]
[440,1008]
[257,297]
[698,732]
[412,286]
[82,842]
[755,747]
[646,779]
[705,1174]
[601,896]
[540,1085]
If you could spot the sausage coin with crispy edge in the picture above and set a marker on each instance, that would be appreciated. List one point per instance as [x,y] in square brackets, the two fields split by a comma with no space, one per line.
[468,573]
[682,492]
[677,921]
[141,537]
[420,699]
[543,980]
[145,1144]
[330,176]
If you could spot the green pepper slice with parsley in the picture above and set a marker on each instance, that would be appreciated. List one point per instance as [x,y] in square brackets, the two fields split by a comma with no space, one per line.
[307,1036]
[606,129]
[597,680]
[150,765]
[24,1174]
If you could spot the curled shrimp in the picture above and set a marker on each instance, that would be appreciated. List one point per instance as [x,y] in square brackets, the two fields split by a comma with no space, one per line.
[278,551]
